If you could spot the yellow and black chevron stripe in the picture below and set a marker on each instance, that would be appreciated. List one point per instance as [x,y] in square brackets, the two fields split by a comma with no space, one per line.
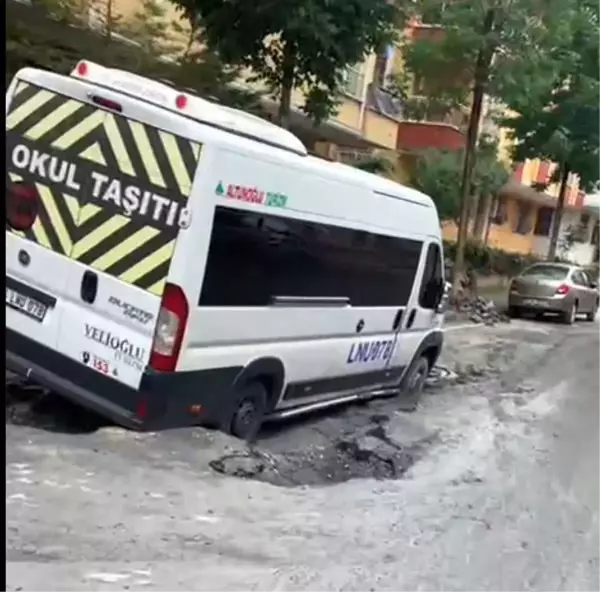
[133,250]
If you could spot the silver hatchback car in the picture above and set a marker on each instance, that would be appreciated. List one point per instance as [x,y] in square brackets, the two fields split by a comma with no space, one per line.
[557,288]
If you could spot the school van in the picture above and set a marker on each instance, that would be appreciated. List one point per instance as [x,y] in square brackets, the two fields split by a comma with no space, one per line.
[174,262]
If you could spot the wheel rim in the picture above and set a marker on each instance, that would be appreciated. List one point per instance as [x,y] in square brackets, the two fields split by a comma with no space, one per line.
[416,384]
[246,414]
[573,313]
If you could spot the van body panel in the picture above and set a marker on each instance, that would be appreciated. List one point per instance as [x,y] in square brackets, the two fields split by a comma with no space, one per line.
[113,190]
[113,198]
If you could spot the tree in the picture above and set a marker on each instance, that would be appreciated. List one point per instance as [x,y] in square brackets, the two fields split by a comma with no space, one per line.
[152,30]
[496,45]
[562,124]
[438,173]
[295,44]
[39,36]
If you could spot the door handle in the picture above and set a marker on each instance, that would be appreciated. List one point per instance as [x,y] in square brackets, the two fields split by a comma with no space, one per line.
[89,286]
[397,320]
[411,318]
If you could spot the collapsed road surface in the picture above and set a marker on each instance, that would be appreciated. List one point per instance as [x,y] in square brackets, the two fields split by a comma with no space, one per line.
[491,484]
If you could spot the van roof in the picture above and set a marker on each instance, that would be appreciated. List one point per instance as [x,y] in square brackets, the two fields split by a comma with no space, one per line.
[241,123]
[190,105]
[375,183]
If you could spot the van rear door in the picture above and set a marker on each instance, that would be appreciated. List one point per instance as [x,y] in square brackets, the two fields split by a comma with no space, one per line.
[112,198]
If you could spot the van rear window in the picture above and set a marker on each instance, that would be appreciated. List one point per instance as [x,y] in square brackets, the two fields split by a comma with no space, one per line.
[254,257]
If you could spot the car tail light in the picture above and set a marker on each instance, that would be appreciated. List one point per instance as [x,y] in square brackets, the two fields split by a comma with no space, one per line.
[170,327]
[562,290]
[22,205]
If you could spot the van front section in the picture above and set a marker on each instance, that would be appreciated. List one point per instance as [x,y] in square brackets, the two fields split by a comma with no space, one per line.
[97,195]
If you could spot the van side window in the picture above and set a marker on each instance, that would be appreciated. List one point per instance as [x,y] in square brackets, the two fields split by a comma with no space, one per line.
[253,257]
[433,269]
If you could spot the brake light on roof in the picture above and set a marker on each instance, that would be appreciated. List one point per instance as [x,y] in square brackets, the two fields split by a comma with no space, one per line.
[562,290]
[22,206]
[82,69]
[170,327]
[181,102]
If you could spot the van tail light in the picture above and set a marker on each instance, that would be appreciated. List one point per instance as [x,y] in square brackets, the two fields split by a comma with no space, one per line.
[170,327]
[22,205]
[562,290]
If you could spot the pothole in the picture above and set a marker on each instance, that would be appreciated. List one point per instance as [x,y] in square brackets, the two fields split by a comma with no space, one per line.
[371,455]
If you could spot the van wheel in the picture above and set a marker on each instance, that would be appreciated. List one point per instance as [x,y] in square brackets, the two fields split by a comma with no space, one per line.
[415,381]
[250,411]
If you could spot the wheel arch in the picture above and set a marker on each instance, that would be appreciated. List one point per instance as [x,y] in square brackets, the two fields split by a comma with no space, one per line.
[269,371]
[431,347]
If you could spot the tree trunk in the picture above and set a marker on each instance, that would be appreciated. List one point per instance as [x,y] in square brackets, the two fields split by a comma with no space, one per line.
[287,86]
[473,205]
[482,68]
[109,20]
[191,38]
[482,216]
[557,218]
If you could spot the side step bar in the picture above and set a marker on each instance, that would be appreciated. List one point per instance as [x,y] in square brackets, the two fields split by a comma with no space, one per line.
[342,399]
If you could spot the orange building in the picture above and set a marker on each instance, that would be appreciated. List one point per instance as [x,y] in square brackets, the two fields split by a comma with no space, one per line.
[520,219]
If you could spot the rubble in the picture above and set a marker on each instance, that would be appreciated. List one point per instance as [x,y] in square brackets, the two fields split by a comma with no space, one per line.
[479,310]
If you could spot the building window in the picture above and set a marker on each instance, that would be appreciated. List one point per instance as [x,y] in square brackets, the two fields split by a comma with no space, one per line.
[543,222]
[499,213]
[523,225]
[353,81]
[595,234]
[255,257]
[584,231]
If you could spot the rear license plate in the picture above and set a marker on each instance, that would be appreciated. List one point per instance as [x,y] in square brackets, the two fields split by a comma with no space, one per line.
[26,304]
[534,302]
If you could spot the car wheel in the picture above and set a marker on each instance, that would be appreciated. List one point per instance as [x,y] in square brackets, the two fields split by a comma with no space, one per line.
[590,316]
[514,312]
[250,411]
[570,316]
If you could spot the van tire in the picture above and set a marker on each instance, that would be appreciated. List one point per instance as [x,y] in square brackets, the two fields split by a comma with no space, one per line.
[414,382]
[249,411]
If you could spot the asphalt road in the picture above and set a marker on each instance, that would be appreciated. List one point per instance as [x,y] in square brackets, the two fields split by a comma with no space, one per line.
[492,484]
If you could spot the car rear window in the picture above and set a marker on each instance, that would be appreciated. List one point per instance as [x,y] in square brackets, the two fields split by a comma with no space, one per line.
[551,272]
